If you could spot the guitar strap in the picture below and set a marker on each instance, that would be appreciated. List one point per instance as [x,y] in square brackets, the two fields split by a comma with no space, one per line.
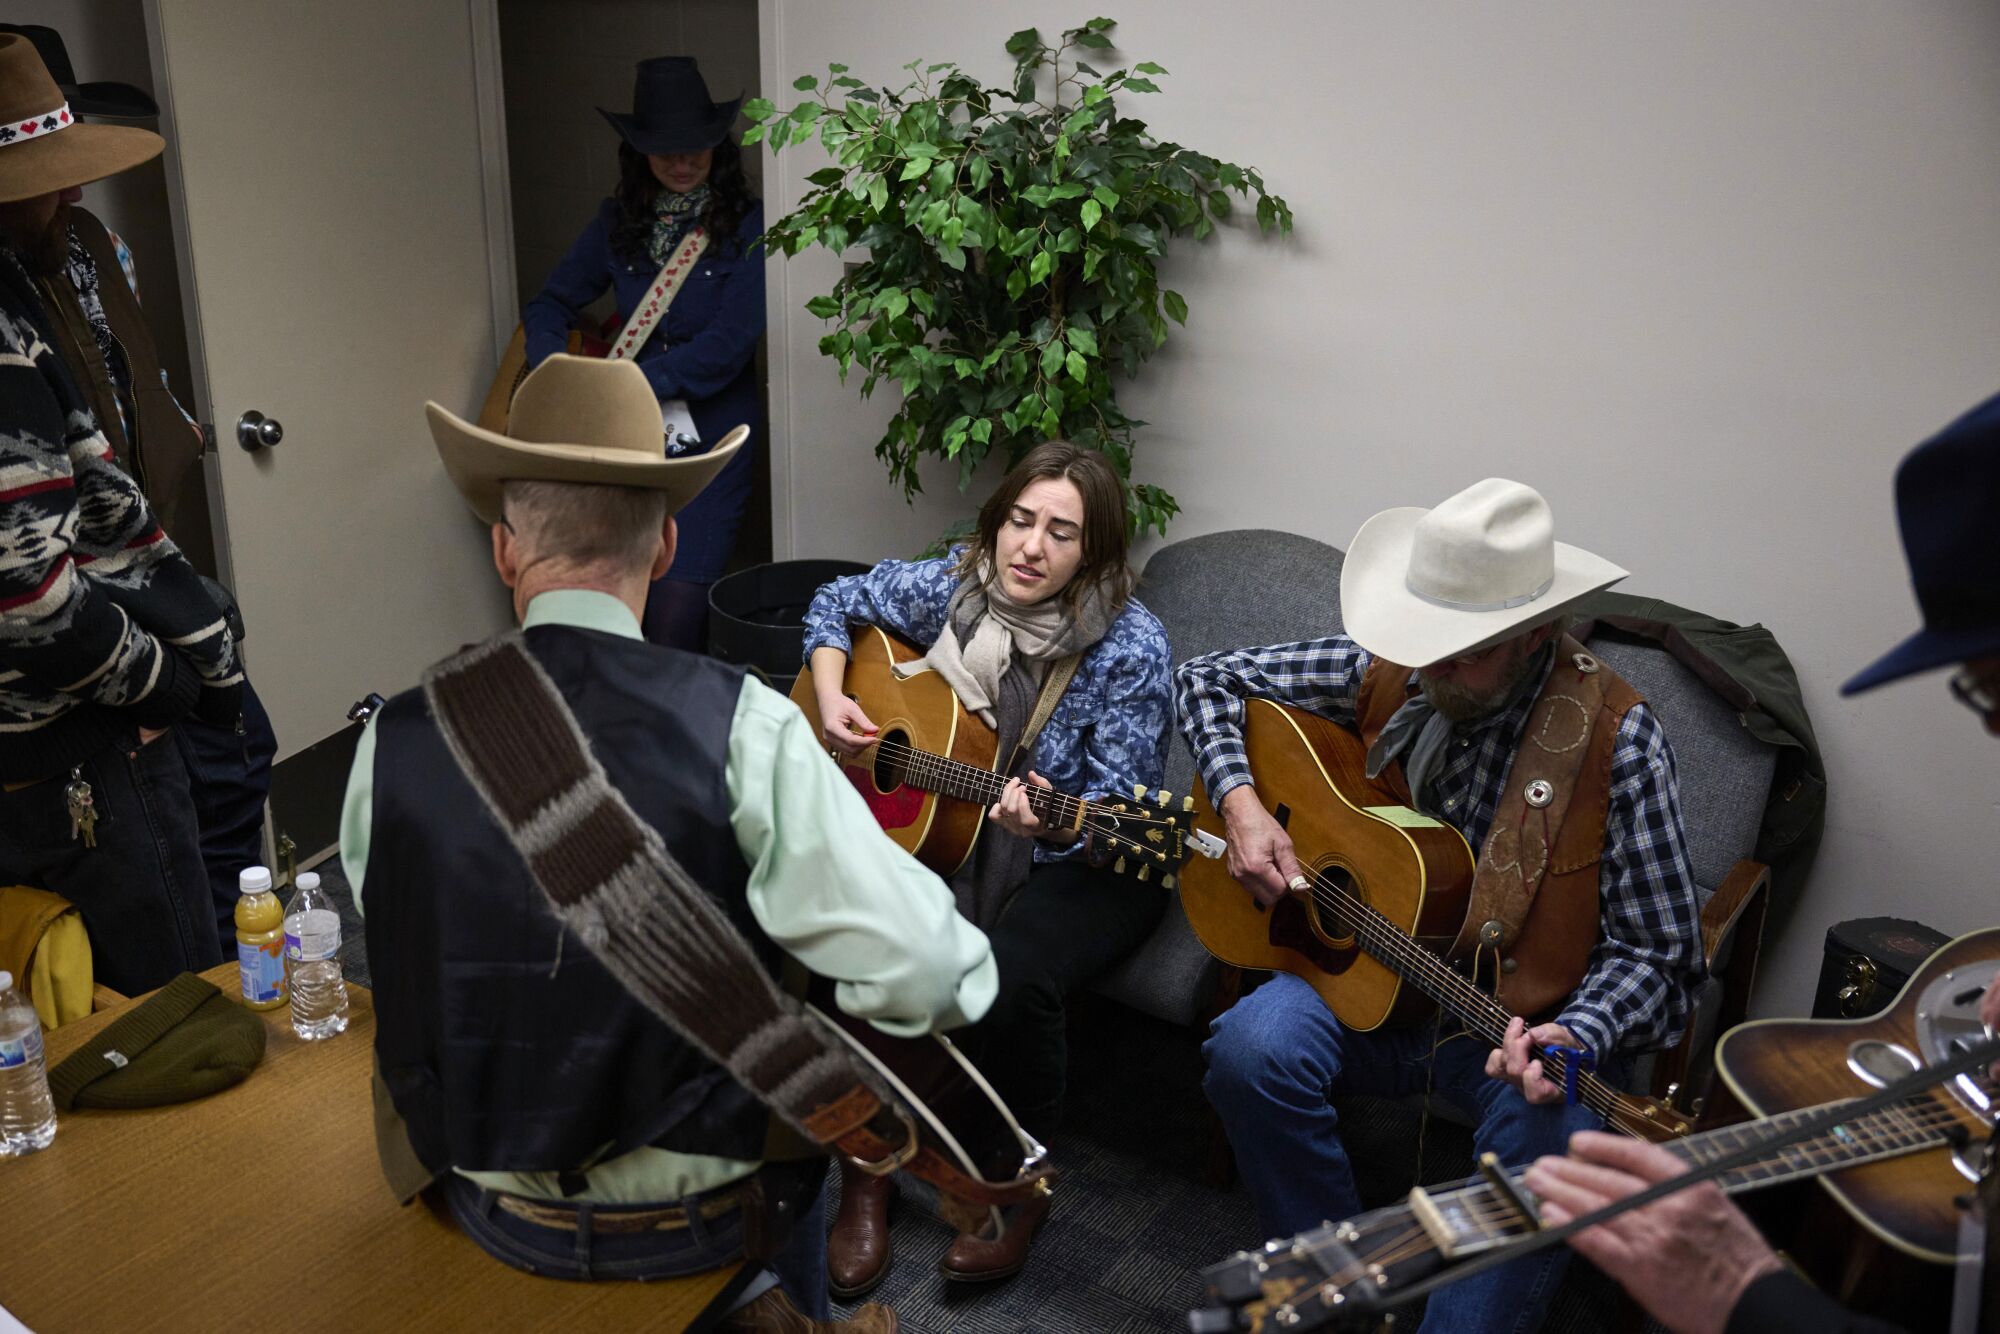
[1061,672]
[612,882]
[652,308]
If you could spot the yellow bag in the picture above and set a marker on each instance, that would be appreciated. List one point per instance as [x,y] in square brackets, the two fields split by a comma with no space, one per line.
[43,944]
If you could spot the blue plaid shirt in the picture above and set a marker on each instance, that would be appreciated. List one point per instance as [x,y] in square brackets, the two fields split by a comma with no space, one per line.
[1636,992]
[1112,726]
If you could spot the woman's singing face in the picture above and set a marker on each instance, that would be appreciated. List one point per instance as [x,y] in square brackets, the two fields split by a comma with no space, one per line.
[1040,544]
[681,172]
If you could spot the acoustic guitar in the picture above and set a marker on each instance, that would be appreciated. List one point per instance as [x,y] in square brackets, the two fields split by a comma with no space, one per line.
[1388,890]
[1896,1170]
[514,368]
[933,770]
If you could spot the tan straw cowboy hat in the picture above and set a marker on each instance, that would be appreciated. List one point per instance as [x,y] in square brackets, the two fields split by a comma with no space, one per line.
[1420,586]
[43,147]
[575,419]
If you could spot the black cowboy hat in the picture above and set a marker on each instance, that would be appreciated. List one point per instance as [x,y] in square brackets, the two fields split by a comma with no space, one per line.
[671,109]
[1947,500]
[120,100]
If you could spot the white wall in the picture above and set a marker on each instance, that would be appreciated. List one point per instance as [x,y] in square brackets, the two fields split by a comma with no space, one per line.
[1699,271]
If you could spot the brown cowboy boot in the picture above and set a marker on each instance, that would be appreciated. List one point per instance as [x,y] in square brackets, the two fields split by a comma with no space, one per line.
[773,1313]
[857,1254]
[981,1259]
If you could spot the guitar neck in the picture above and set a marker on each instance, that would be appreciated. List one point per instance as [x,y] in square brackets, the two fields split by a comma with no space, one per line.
[1478,1216]
[1482,1015]
[965,782]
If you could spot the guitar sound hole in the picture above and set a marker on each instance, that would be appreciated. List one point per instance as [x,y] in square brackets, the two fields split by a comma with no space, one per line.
[1340,886]
[891,763]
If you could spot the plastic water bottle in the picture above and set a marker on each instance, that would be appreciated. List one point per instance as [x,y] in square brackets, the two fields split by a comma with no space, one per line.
[312,962]
[27,1113]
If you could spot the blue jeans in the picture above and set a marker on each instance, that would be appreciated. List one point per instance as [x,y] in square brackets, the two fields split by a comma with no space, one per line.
[800,1262]
[1276,1058]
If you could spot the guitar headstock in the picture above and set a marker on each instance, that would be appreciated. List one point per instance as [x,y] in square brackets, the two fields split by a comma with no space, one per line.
[1148,829]
[1324,1278]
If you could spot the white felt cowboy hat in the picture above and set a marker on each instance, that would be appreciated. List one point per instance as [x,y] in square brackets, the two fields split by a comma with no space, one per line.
[575,419]
[1420,586]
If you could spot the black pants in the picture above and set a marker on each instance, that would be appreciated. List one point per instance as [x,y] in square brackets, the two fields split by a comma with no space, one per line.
[142,890]
[229,777]
[1069,924]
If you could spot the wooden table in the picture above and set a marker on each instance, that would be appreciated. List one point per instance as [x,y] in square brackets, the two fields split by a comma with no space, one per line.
[263,1207]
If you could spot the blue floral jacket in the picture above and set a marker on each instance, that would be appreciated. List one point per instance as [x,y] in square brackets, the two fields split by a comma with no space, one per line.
[1110,730]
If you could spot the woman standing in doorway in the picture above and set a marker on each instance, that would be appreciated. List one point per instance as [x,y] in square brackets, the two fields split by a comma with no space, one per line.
[1044,580]
[679,172]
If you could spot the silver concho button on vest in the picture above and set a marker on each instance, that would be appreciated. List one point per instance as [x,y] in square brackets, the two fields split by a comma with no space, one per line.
[1584,663]
[1538,793]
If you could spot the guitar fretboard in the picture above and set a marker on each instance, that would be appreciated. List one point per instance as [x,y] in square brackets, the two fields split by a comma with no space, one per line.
[1475,1216]
[965,782]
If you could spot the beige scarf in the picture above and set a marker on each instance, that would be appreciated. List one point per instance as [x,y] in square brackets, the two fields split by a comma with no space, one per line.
[1039,632]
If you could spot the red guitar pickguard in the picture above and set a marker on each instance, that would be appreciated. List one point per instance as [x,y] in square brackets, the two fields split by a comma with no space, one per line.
[892,810]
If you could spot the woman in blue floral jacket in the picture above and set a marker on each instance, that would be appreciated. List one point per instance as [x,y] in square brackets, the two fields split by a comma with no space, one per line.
[1044,578]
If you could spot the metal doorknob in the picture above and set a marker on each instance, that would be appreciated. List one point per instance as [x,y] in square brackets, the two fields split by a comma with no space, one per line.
[255,431]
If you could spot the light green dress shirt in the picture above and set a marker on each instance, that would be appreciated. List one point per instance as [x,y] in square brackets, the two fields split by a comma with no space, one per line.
[825,883]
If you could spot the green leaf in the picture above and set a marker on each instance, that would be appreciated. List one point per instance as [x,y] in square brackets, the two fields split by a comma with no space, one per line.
[1090,213]
[827,176]
[805,83]
[754,134]
[1142,85]
[878,194]
[1017,283]
[1176,306]
[923,301]
[914,168]
[1267,212]
[1052,359]
[1096,41]
[1146,67]
[1023,43]
[951,256]
[979,172]
[838,69]
[826,307]
[758,108]
[1078,369]
[1083,340]
[1105,196]
[847,81]
[1039,266]
[1218,202]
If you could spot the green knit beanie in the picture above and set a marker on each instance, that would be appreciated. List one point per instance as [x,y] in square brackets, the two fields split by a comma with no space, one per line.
[186,1042]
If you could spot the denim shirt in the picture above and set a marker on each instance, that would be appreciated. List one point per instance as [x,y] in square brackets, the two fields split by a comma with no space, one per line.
[1111,729]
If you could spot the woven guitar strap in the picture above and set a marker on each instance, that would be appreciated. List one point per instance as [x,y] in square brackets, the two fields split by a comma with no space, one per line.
[609,878]
[1053,685]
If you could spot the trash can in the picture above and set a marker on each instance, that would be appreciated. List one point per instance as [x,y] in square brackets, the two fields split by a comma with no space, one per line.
[757,617]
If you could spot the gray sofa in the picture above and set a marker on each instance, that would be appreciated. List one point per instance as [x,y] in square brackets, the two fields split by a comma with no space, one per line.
[1259,586]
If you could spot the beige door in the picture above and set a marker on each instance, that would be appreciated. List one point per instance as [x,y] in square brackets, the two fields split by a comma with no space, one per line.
[335,267]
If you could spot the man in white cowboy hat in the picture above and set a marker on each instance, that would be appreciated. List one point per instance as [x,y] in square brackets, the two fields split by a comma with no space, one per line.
[1503,718]
[511,1061]
[87,281]
[108,638]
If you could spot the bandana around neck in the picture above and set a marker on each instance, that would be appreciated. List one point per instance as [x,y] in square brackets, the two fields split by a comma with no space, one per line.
[674,216]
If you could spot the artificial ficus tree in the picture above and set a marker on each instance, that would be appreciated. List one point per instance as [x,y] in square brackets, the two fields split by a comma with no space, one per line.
[1013,238]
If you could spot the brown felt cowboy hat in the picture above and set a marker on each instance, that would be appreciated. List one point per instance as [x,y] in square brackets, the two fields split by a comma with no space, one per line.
[575,419]
[43,147]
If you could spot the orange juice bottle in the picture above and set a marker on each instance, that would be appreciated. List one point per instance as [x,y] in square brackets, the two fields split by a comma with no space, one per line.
[260,940]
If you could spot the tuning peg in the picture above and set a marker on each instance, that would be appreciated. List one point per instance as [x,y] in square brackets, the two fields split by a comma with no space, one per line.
[1139,791]
[1187,803]
[1145,871]
[1165,798]
[1120,867]
[1167,881]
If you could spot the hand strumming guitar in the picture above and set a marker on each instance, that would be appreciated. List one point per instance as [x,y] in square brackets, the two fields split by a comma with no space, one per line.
[1260,851]
[842,724]
[1515,1062]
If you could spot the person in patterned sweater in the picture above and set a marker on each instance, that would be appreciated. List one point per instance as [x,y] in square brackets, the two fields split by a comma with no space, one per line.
[107,636]
[1045,578]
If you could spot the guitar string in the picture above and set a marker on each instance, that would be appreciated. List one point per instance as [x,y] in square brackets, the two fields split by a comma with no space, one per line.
[1391,944]
[1847,1144]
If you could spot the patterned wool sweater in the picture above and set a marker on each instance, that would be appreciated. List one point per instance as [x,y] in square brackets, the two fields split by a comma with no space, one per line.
[104,626]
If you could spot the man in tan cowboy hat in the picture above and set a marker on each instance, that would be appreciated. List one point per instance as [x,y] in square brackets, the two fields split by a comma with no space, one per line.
[513,1061]
[1602,946]
[107,636]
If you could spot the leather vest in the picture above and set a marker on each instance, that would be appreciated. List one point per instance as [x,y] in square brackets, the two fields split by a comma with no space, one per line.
[1536,898]
[504,1044]
[161,452]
